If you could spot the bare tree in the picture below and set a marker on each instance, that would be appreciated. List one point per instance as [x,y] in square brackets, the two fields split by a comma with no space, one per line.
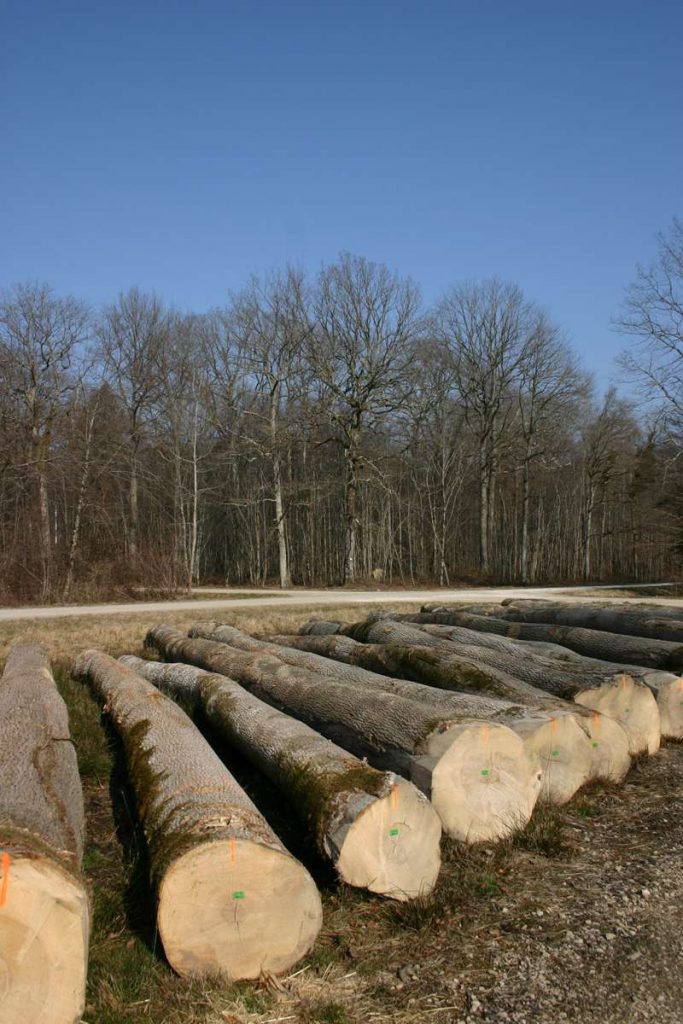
[487,328]
[41,339]
[133,333]
[653,315]
[367,321]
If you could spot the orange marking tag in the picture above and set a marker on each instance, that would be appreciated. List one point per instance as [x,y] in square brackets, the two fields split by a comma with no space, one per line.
[394,796]
[5,860]
[624,682]
[553,724]
[485,730]
[233,853]
[597,722]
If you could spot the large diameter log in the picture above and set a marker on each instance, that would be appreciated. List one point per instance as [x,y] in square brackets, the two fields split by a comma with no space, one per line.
[477,774]
[231,899]
[594,616]
[555,740]
[378,830]
[561,642]
[319,627]
[621,697]
[570,742]
[44,907]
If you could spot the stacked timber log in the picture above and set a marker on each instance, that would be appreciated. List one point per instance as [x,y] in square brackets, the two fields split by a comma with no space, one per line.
[573,744]
[231,899]
[621,652]
[378,830]
[44,909]
[477,773]
[620,697]
[556,733]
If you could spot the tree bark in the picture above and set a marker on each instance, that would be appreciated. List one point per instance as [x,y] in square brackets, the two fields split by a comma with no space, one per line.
[594,616]
[351,810]
[572,744]
[42,894]
[231,899]
[477,774]
[621,697]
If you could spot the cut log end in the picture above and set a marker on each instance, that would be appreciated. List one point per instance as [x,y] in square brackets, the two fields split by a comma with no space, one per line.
[631,704]
[670,704]
[393,846]
[260,910]
[484,786]
[610,747]
[563,751]
[44,929]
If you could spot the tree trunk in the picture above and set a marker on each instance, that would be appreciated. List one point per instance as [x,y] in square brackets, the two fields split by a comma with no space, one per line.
[478,774]
[231,899]
[133,529]
[524,553]
[350,809]
[594,616]
[42,893]
[484,511]
[82,490]
[285,578]
[631,703]
[666,686]
[570,743]
[352,522]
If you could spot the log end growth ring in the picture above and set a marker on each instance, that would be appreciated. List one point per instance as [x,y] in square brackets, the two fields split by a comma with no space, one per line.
[485,785]
[237,908]
[631,704]
[44,930]
[393,846]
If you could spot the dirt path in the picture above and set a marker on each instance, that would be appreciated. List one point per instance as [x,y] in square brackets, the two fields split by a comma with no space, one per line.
[289,598]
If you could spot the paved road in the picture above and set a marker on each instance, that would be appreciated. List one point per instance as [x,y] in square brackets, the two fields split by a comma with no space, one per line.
[291,598]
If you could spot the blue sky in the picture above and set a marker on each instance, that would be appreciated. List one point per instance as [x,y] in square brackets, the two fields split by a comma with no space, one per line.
[181,146]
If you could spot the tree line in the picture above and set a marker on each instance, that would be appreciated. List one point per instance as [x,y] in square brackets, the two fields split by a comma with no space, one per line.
[329,429]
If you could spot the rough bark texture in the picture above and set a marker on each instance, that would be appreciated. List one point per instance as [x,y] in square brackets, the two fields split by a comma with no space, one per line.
[666,686]
[623,698]
[608,756]
[564,750]
[205,837]
[593,643]
[595,616]
[433,749]
[44,915]
[331,790]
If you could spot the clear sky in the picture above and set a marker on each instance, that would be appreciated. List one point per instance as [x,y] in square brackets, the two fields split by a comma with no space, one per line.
[182,145]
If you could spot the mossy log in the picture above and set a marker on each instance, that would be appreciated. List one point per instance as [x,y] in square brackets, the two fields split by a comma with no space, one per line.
[44,906]
[565,645]
[596,616]
[478,774]
[230,899]
[572,743]
[378,830]
[619,696]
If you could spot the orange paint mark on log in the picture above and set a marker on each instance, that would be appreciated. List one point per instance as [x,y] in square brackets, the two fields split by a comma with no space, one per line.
[595,718]
[485,730]
[5,861]
[233,852]
[394,796]
[553,724]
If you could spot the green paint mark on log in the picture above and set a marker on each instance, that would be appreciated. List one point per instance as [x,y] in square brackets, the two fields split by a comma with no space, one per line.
[554,753]
[393,831]
[238,894]
[484,771]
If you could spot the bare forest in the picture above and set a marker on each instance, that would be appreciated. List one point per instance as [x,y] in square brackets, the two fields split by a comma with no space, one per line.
[326,429]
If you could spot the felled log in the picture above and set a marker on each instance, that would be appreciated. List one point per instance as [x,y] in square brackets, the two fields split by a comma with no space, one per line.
[44,908]
[557,642]
[477,773]
[378,830]
[230,899]
[319,627]
[554,737]
[595,616]
[621,697]
[572,743]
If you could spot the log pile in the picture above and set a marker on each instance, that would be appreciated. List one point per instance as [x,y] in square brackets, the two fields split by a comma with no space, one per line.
[44,908]
[378,830]
[230,899]
[476,772]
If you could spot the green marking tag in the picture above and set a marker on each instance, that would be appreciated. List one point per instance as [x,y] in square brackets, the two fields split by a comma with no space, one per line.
[484,771]
[554,753]
[238,895]
[393,831]
[595,743]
